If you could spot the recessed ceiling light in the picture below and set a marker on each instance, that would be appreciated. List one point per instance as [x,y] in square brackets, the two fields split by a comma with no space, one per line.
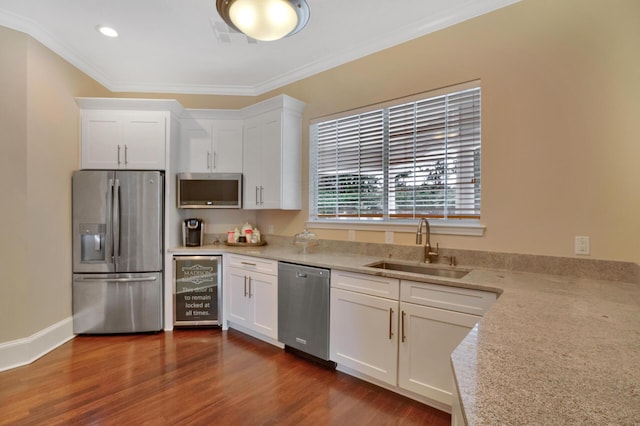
[107,31]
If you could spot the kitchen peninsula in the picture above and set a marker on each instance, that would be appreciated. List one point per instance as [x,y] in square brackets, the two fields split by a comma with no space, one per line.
[552,349]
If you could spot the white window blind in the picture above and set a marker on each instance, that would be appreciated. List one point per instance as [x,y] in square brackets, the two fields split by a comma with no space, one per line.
[413,159]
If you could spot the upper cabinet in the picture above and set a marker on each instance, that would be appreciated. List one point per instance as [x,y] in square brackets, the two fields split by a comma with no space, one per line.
[272,154]
[211,144]
[125,133]
[262,141]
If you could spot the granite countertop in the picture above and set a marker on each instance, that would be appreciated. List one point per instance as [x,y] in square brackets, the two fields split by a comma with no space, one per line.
[551,350]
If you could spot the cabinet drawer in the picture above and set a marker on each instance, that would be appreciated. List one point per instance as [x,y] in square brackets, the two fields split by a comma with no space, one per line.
[367,284]
[457,299]
[249,263]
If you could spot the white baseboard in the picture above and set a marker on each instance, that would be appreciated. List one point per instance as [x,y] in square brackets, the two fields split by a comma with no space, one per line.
[24,351]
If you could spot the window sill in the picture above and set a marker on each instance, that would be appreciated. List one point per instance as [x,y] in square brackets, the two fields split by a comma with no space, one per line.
[443,227]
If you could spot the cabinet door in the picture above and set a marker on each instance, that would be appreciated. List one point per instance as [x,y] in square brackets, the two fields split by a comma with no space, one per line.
[123,139]
[272,157]
[263,292]
[227,146]
[364,334]
[195,146]
[240,305]
[101,133]
[271,148]
[144,134]
[252,165]
[262,165]
[427,338]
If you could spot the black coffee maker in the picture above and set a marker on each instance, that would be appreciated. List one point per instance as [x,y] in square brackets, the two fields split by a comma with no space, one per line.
[192,232]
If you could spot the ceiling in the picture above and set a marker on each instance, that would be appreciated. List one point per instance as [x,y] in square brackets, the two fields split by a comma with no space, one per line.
[183,46]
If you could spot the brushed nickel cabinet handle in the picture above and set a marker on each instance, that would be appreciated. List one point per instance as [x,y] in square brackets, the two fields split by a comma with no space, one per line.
[403,336]
[390,323]
[245,286]
[126,157]
[118,155]
[249,287]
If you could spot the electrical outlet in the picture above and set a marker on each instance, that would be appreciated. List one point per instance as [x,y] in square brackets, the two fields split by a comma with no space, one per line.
[352,235]
[388,237]
[583,245]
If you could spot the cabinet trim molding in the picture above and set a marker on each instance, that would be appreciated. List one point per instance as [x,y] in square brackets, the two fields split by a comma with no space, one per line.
[130,104]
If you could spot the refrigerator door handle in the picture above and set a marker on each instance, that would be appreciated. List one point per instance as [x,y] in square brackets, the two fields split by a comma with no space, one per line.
[116,280]
[116,220]
[109,220]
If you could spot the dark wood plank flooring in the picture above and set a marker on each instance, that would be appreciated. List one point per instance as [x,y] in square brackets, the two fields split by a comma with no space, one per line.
[194,377]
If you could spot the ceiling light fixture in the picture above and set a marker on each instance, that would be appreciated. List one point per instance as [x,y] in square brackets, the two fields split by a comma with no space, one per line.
[264,20]
[107,31]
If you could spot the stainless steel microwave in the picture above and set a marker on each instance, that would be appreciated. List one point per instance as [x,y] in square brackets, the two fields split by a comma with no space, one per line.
[209,190]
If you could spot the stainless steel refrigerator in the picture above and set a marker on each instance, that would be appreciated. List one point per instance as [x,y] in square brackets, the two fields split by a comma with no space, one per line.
[117,251]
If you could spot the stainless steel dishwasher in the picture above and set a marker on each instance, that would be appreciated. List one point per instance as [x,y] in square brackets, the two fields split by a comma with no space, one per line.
[303,309]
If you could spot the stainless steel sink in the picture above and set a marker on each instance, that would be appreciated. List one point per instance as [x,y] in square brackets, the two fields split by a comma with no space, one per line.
[419,269]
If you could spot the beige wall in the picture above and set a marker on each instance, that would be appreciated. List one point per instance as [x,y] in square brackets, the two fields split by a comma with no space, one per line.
[13,183]
[561,99]
[561,95]
[40,149]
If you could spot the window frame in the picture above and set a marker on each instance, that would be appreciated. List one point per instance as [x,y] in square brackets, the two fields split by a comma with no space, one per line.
[452,226]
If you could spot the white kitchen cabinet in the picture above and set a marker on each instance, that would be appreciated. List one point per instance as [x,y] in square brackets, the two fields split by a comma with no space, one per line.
[123,139]
[364,334]
[400,334]
[118,133]
[364,324]
[459,299]
[253,295]
[210,145]
[272,154]
[427,338]
[434,319]
[457,416]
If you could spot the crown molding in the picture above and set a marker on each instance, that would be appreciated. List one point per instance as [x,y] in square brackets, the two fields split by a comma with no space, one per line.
[472,9]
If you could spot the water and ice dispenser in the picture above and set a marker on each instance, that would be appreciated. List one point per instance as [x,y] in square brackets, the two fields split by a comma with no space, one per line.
[92,242]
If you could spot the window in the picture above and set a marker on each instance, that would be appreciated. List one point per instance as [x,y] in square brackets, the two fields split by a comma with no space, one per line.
[411,159]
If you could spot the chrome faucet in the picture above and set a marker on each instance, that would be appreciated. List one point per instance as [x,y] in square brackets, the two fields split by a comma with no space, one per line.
[428,254]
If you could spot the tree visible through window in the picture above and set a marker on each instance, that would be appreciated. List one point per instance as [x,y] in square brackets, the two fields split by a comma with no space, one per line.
[414,159]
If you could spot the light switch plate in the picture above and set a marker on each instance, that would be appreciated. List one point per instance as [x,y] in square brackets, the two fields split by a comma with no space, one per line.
[583,244]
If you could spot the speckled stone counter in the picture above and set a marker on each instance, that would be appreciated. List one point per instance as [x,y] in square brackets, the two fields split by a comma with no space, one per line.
[552,349]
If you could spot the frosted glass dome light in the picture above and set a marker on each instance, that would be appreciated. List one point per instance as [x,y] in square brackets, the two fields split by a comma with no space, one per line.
[264,20]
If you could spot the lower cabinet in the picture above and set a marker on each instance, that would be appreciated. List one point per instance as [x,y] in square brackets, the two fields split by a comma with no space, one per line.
[364,334]
[253,298]
[405,346]
[427,338]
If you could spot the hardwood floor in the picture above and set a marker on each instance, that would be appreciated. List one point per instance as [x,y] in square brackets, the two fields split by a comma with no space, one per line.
[194,377]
